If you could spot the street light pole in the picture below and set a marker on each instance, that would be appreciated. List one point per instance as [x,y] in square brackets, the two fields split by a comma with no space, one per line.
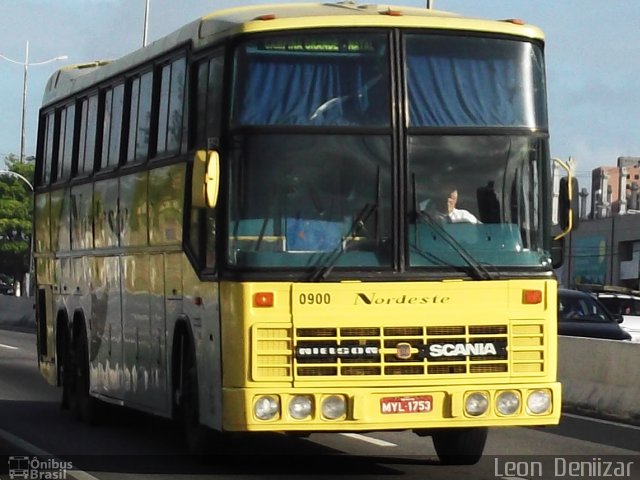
[24,104]
[26,66]
[17,175]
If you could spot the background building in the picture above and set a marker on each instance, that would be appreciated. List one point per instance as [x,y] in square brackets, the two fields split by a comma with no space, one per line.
[605,250]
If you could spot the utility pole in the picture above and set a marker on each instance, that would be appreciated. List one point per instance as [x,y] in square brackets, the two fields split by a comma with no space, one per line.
[26,65]
[146,23]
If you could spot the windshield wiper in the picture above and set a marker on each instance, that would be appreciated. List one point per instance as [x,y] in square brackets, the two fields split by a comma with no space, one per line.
[477,269]
[332,258]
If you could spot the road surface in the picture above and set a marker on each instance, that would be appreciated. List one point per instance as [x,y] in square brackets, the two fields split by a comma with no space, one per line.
[39,439]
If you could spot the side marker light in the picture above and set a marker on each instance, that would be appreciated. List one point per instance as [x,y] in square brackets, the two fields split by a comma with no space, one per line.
[263,299]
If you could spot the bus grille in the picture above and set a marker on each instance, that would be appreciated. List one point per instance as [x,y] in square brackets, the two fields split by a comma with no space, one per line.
[393,352]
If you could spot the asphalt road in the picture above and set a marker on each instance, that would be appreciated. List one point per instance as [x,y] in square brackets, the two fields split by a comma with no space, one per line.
[36,435]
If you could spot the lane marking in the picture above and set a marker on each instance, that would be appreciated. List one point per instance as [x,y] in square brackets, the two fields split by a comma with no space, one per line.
[31,450]
[600,420]
[9,347]
[364,438]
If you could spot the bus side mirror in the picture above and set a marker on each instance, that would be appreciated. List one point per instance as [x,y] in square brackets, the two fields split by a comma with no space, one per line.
[568,203]
[205,181]
[557,252]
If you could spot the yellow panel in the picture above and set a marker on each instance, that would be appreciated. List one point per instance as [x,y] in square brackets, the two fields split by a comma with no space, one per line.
[441,303]
[527,341]
[166,198]
[133,209]
[60,233]
[44,270]
[388,316]
[42,222]
[527,329]
[527,355]
[81,275]
[105,213]
[82,217]
[528,368]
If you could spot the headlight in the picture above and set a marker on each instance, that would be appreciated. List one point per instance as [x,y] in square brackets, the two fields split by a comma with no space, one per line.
[508,403]
[476,404]
[266,407]
[300,407]
[539,402]
[334,407]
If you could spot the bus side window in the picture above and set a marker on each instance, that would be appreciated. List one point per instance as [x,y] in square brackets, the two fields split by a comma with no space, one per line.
[206,108]
[87,141]
[202,235]
[140,117]
[65,142]
[47,148]
[171,114]
[112,127]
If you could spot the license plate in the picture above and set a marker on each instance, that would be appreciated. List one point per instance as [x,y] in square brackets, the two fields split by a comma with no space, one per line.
[417,404]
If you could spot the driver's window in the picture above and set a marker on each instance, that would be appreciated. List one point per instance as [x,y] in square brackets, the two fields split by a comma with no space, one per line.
[207,101]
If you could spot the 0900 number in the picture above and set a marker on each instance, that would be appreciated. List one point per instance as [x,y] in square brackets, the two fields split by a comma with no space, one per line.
[315,299]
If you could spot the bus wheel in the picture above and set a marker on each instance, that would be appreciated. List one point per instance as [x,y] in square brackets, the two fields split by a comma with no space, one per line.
[83,405]
[460,446]
[65,378]
[197,437]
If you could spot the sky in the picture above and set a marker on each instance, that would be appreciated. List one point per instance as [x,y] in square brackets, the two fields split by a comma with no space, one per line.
[592,53]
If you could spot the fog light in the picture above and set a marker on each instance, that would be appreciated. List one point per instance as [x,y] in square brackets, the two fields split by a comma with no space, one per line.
[539,402]
[266,407]
[476,404]
[334,407]
[300,407]
[508,403]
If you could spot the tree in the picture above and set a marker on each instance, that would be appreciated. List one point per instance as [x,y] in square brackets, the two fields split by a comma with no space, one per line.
[16,217]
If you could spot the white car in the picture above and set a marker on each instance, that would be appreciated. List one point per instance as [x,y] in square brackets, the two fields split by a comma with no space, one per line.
[626,305]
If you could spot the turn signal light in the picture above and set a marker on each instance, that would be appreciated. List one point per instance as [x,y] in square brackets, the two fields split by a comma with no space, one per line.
[263,299]
[531,297]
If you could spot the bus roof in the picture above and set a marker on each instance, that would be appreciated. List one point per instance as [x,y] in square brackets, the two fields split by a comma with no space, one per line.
[223,24]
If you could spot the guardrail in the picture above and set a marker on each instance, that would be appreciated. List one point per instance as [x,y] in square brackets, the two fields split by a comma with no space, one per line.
[600,377]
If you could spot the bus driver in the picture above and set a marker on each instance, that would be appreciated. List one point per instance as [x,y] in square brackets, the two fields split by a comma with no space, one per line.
[447,212]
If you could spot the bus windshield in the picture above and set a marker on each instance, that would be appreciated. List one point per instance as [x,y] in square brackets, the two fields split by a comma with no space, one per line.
[497,180]
[301,195]
[316,180]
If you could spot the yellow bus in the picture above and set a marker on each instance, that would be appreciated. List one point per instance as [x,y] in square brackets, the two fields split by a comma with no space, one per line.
[237,227]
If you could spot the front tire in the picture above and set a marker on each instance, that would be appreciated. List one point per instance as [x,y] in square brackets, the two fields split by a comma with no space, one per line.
[460,446]
[199,439]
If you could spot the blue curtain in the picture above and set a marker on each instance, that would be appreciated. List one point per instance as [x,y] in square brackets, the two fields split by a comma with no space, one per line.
[469,82]
[299,92]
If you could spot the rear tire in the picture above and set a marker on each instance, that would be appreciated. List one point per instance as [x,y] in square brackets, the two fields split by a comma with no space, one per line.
[460,446]
[85,407]
[65,377]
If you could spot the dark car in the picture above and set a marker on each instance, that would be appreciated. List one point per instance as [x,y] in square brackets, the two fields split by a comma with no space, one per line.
[6,289]
[580,314]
